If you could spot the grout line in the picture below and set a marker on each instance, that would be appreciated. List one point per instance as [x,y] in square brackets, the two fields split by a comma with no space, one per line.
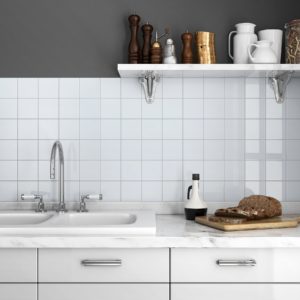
[121,138]
[18,100]
[100,136]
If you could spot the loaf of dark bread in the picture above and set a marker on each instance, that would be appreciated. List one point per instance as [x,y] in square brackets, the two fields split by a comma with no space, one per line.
[227,220]
[254,207]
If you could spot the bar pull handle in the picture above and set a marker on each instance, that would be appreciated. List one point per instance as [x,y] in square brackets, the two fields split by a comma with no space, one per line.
[236,262]
[101,262]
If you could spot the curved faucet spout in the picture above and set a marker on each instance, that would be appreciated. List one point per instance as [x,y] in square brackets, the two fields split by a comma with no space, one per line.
[58,145]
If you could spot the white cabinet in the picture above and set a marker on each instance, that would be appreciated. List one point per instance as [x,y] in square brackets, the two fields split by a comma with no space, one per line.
[104,291]
[235,291]
[18,291]
[104,265]
[201,265]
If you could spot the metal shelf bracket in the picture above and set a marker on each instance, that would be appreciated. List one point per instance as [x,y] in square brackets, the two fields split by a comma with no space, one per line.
[279,84]
[149,82]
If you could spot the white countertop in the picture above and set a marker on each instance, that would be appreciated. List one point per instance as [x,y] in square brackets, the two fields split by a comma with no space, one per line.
[173,231]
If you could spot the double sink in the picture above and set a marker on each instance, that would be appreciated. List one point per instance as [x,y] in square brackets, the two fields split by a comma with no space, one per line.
[74,223]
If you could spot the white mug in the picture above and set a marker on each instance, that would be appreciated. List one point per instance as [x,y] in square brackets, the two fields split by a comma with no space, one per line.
[274,36]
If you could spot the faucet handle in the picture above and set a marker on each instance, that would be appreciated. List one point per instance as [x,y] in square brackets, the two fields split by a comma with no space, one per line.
[82,204]
[41,204]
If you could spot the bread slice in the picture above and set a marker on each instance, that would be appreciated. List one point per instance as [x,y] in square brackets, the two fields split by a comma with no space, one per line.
[227,220]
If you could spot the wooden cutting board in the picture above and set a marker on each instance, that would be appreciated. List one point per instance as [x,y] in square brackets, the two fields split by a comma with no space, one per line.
[272,223]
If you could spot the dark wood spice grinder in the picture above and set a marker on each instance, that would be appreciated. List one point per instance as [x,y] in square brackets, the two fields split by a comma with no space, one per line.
[147,36]
[134,48]
[187,51]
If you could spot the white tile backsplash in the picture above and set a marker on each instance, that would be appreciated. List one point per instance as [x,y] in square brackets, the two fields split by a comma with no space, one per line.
[230,130]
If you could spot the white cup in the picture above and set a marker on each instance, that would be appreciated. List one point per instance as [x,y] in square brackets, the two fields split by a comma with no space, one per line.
[275,36]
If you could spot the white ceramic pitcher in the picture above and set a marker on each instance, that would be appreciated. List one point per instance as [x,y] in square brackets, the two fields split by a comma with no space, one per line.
[263,54]
[244,36]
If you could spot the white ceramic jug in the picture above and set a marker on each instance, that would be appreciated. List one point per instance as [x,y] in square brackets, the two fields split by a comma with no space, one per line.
[263,54]
[244,37]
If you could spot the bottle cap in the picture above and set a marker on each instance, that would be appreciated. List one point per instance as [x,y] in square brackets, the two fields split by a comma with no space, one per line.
[196,177]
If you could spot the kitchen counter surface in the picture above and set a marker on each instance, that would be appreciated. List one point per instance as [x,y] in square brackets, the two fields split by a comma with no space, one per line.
[172,231]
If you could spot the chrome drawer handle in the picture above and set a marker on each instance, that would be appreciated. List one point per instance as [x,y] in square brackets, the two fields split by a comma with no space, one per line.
[236,263]
[101,262]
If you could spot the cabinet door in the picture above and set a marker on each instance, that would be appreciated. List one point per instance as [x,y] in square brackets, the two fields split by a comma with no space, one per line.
[18,291]
[104,291]
[235,291]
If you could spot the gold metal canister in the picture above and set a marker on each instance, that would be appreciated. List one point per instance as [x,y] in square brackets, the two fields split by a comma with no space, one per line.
[205,45]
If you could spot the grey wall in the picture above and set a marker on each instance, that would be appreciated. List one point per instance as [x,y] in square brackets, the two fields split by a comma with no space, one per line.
[88,38]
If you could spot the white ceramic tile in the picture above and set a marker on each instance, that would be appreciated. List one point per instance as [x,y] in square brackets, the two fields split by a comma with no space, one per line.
[152,150]
[69,108]
[90,187]
[110,129]
[69,88]
[172,191]
[293,170]
[252,170]
[110,108]
[275,189]
[131,88]
[234,191]
[8,108]
[151,129]
[252,188]
[48,129]
[234,88]
[193,88]
[26,187]
[214,149]
[27,150]
[293,108]
[8,190]
[292,190]
[72,191]
[27,129]
[48,88]
[234,170]
[293,149]
[152,170]
[192,167]
[172,88]
[131,129]
[275,110]
[8,129]
[172,170]
[90,108]
[111,190]
[28,88]
[8,150]
[8,88]
[214,191]
[193,108]
[110,170]
[172,108]
[45,147]
[234,108]
[72,170]
[131,150]
[214,88]
[172,149]
[214,129]
[48,108]
[27,170]
[234,149]
[71,149]
[253,88]
[151,191]
[110,150]
[292,129]
[293,89]
[193,150]
[90,170]
[252,108]
[153,110]
[89,88]
[274,170]
[252,129]
[131,170]
[49,190]
[8,170]
[131,108]
[214,108]
[110,88]
[90,129]
[274,129]
[28,108]
[193,129]
[274,147]
[214,170]
[90,150]
[172,129]
[253,146]
[234,129]
[131,191]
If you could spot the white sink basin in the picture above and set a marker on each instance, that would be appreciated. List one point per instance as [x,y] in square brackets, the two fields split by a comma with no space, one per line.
[73,223]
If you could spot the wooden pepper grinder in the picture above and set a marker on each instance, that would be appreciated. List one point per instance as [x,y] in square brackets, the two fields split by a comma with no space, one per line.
[147,36]
[134,48]
[187,51]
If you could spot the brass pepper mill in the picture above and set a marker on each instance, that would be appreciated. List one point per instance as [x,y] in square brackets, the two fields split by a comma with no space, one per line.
[134,48]
[187,51]
[205,46]
[156,48]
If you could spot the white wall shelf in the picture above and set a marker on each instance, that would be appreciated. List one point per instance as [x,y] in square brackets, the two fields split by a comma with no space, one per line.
[149,74]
